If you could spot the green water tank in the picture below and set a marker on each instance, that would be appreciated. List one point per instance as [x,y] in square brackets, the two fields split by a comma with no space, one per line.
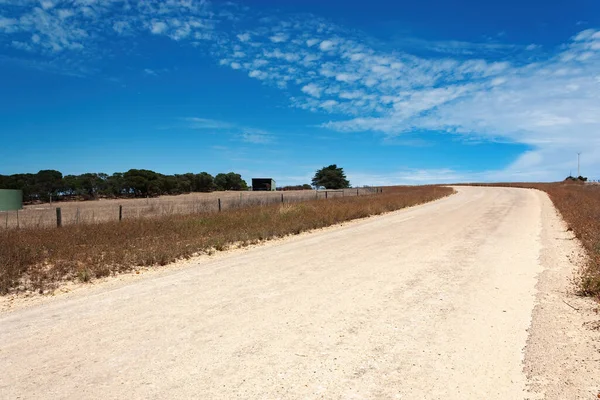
[11,200]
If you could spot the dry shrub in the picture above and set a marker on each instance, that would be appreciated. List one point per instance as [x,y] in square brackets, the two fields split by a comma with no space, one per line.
[39,258]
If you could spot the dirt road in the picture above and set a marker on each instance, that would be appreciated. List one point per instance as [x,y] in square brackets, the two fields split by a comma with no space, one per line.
[434,302]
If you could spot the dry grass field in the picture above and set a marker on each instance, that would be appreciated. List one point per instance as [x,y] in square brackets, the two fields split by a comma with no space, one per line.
[104,210]
[39,257]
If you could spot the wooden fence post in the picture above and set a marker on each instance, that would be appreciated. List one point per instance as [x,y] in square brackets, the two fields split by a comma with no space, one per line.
[120,212]
[281,197]
[326,194]
[357,192]
[58,217]
[219,205]
[18,226]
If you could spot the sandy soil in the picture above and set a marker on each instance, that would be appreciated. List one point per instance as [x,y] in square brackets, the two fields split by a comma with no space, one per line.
[462,298]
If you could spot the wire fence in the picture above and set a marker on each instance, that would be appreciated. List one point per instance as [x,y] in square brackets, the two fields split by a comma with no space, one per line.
[96,211]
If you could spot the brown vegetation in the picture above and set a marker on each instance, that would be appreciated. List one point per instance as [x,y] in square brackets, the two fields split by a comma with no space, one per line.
[39,258]
[104,210]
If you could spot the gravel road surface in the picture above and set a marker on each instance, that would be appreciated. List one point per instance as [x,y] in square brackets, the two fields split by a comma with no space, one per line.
[455,299]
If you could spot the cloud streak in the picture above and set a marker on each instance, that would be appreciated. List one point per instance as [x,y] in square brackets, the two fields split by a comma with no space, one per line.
[237,132]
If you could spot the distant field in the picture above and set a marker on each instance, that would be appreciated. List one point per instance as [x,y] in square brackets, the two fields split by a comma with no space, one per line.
[104,210]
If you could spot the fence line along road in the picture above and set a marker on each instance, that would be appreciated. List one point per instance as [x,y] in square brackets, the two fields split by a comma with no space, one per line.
[59,214]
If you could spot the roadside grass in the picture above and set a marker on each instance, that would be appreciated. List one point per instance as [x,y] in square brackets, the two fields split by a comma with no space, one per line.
[579,205]
[38,259]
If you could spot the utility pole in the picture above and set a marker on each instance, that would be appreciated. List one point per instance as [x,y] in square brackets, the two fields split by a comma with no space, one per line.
[578,172]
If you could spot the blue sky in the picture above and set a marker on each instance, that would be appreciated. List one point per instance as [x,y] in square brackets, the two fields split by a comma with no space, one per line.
[394,92]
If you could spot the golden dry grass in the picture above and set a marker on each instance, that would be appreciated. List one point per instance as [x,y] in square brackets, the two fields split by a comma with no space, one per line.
[37,258]
[104,210]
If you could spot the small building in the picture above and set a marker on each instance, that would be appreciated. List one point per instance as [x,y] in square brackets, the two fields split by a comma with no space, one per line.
[263,184]
[11,200]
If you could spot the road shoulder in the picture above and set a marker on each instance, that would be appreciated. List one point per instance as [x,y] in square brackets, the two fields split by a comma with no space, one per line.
[562,356]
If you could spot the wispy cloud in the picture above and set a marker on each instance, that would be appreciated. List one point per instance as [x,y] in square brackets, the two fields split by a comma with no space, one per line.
[236,131]
[255,136]
[490,48]
[206,123]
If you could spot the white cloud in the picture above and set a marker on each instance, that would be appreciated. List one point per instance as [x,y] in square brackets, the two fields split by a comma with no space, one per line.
[351,95]
[121,27]
[158,27]
[235,65]
[329,104]
[244,37]
[258,74]
[46,4]
[279,38]
[312,90]
[8,25]
[149,71]
[327,45]
[65,13]
[345,77]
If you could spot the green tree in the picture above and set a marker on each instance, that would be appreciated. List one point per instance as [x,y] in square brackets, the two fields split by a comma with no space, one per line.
[203,182]
[71,185]
[115,185]
[230,181]
[330,177]
[142,182]
[47,183]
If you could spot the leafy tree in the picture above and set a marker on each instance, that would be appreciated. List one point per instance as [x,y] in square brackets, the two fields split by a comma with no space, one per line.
[142,182]
[230,181]
[92,184]
[168,184]
[203,182]
[330,177]
[184,183]
[71,185]
[48,182]
[115,184]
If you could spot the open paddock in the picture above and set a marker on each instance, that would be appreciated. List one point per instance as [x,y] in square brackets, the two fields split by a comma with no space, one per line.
[104,210]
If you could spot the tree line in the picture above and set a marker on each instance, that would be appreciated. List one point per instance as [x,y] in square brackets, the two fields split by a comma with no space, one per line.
[51,184]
